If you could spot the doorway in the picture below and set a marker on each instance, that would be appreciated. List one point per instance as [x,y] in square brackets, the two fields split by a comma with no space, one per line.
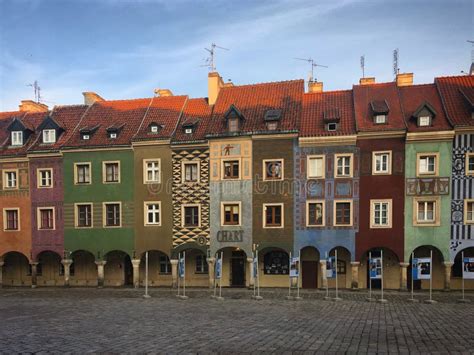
[237,269]
[310,273]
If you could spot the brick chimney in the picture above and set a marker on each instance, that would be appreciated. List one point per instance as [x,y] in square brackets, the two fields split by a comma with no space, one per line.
[91,97]
[405,79]
[214,85]
[366,81]
[315,86]
[163,92]
[32,106]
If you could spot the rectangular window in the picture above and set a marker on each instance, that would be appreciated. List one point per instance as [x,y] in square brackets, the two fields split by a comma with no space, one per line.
[231,214]
[426,211]
[165,265]
[381,213]
[83,173]
[424,121]
[111,172]
[112,215]
[469,163]
[343,213]
[11,221]
[45,218]
[191,216]
[343,165]
[315,213]
[151,171]
[49,135]
[45,178]
[10,179]
[191,171]
[273,169]
[231,169]
[17,138]
[381,163]
[468,211]
[273,215]
[201,264]
[152,213]
[380,119]
[427,164]
[84,215]
[315,167]
[233,124]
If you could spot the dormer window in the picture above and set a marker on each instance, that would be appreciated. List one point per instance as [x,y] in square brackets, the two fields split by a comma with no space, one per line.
[233,119]
[188,130]
[112,135]
[154,128]
[85,137]
[49,136]
[380,111]
[424,121]
[331,127]
[272,117]
[233,124]
[331,118]
[424,115]
[380,119]
[272,126]
[17,138]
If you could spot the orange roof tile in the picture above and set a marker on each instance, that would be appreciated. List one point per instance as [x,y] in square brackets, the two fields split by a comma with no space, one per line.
[196,111]
[453,91]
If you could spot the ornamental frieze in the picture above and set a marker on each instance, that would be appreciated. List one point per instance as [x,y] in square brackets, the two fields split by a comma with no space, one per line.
[427,186]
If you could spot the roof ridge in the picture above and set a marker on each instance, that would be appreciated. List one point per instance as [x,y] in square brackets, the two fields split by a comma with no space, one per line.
[453,76]
[328,92]
[265,83]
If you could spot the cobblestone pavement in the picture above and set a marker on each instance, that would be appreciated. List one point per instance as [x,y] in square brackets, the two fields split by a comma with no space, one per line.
[121,320]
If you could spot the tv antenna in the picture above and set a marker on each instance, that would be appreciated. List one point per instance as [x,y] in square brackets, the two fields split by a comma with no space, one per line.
[362,65]
[210,61]
[37,90]
[395,62]
[313,65]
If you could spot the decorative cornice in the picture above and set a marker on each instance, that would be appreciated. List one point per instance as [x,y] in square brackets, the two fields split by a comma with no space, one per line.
[430,136]
[145,143]
[326,141]
[75,150]
[44,155]
[189,145]
[275,136]
[464,129]
[13,160]
[381,134]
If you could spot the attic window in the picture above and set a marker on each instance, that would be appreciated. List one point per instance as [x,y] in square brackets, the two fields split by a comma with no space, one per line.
[380,119]
[85,137]
[154,128]
[233,124]
[17,138]
[272,126]
[188,130]
[424,121]
[113,135]
[331,127]
[380,111]
[49,136]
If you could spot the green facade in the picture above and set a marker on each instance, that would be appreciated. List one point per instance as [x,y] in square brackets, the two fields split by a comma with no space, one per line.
[99,240]
[437,236]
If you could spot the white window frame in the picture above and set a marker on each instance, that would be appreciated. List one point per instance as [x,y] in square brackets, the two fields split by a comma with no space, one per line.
[264,214]
[309,202]
[424,119]
[264,167]
[380,117]
[388,171]
[469,172]
[351,165]
[145,171]
[39,220]
[351,218]
[323,165]
[373,204]
[146,204]
[436,211]
[435,155]
[76,175]
[183,220]
[223,204]
[104,214]
[331,127]
[17,138]
[49,136]
[6,180]
[104,172]
[183,171]
[39,178]
[76,215]
[5,221]
[466,220]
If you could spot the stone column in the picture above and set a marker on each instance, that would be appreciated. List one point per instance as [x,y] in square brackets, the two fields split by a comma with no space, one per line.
[67,271]
[1,273]
[251,278]
[447,275]
[100,272]
[355,275]
[403,276]
[136,272]
[324,279]
[34,274]
[211,263]
[174,272]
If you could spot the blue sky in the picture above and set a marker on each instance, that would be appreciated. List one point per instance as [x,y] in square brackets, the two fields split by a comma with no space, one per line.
[125,49]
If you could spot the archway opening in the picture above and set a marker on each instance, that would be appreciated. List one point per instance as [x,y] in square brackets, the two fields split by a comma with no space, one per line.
[391,269]
[16,269]
[49,271]
[343,268]
[310,258]
[159,268]
[234,267]
[274,266]
[118,270]
[457,272]
[437,265]
[83,270]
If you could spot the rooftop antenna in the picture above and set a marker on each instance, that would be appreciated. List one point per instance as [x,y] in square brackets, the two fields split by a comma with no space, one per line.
[210,61]
[37,90]
[396,70]
[313,65]
[362,65]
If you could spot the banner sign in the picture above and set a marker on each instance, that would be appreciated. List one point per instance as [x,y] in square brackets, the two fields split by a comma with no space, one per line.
[421,268]
[181,267]
[331,267]
[218,268]
[255,267]
[375,268]
[468,268]
[295,267]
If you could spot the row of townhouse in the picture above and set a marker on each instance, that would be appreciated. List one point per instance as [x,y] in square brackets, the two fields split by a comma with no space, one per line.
[87,190]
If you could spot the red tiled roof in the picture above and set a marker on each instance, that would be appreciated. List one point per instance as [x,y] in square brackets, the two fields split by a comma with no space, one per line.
[330,104]
[364,95]
[164,111]
[453,90]
[254,100]
[412,97]
[196,111]
[103,114]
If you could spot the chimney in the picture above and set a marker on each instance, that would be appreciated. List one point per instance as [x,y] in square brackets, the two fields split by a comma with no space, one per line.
[366,81]
[214,85]
[315,86]
[32,106]
[91,97]
[405,79]
[163,92]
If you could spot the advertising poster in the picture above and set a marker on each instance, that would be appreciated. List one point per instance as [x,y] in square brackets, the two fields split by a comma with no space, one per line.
[468,268]
[331,267]
[218,268]
[375,268]
[294,267]
[255,267]
[181,267]
[421,268]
